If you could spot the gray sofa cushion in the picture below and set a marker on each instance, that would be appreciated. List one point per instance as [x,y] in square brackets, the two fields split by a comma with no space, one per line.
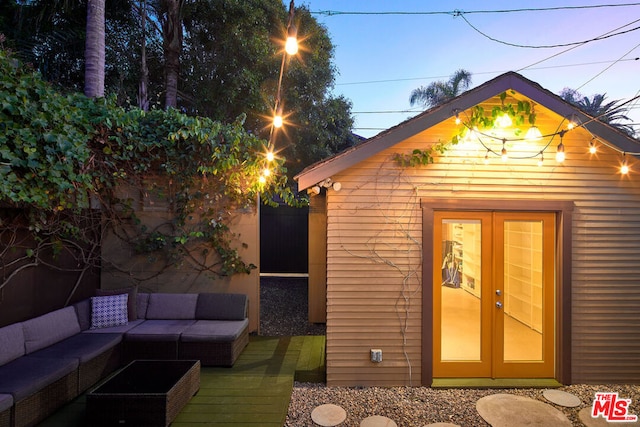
[172,306]
[221,306]
[11,343]
[6,402]
[115,329]
[50,328]
[142,303]
[158,330]
[83,347]
[83,311]
[28,375]
[214,330]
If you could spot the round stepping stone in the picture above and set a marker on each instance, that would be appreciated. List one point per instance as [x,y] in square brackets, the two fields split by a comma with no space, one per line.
[585,416]
[377,421]
[328,415]
[508,410]
[561,398]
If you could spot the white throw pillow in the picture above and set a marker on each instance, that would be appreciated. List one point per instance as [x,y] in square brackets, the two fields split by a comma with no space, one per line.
[109,311]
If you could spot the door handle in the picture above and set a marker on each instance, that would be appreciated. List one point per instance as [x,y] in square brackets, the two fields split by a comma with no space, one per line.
[498,304]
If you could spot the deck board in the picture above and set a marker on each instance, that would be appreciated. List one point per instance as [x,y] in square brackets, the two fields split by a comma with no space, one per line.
[255,392]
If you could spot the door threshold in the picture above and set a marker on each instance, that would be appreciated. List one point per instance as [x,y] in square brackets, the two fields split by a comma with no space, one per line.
[495,383]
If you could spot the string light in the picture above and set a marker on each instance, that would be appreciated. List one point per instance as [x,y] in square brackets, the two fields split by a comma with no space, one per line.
[470,132]
[624,167]
[503,153]
[291,48]
[278,121]
[291,45]
[270,156]
[560,156]
[504,121]
[573,122]
[533,134]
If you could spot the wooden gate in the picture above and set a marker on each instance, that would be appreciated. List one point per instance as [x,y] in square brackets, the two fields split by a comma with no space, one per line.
[284,240]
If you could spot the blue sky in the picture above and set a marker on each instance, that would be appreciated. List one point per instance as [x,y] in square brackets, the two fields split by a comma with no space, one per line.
[380,59]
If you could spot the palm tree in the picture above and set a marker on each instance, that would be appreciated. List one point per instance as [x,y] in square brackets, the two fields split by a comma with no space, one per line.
[94,50]
[441,91]
[170,14]
[610,113]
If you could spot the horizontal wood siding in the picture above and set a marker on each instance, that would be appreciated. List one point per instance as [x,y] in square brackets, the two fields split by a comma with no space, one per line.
[374,250]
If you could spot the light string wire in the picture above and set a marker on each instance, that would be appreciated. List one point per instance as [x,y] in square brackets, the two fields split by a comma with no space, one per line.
[459,13]
[278,101]
[559,132]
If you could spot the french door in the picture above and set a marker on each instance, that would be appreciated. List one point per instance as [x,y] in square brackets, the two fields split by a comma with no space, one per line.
[493,294]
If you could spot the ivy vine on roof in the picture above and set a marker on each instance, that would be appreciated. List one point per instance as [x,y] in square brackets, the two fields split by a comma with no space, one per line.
[479,120]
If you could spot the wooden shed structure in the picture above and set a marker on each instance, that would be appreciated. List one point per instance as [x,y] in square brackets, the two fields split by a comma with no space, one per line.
[472,267]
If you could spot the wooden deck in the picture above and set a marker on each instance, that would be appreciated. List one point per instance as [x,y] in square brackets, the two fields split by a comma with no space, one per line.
[255,392]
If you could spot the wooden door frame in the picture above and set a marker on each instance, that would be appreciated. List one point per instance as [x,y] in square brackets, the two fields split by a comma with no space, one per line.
[563,211]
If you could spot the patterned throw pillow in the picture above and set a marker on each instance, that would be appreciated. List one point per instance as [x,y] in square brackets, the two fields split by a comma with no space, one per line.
[109,311]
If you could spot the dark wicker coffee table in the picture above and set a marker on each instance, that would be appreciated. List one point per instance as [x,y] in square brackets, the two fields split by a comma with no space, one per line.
[144,393]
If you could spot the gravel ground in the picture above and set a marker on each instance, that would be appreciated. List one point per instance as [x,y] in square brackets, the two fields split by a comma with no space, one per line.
[284,312]
[420,406]
[284,307]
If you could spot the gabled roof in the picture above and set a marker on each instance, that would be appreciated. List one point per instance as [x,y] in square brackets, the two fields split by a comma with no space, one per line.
[505,82]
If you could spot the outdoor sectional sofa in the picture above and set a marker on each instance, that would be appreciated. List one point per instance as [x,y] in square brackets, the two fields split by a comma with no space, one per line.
[49,360]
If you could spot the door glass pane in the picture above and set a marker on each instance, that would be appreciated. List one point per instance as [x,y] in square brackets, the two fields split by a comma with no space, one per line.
[522,291]
[461,284]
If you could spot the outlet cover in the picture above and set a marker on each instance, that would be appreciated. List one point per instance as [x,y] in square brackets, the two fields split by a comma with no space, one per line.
[376,355]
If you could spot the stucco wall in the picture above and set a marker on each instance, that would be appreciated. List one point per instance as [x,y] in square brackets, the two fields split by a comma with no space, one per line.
[126,265]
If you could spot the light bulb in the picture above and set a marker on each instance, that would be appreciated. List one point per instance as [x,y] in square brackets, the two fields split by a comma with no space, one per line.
[486,158]
[504,155]
[266,172]
[270,156]
[541,160]
[262,179]
[560,156]
[624,167]
[277,121]
[291,45]
[533,134]
[592,147]
[504,121]
[458,121]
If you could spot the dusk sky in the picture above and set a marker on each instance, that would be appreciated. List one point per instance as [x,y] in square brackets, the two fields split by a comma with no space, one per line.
[381,57]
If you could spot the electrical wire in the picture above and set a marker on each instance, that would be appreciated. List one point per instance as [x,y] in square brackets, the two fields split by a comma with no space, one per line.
[606,68]
[580,64]
[459,12]
[550,46]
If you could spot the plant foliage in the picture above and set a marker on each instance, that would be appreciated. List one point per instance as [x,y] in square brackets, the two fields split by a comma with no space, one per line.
[64,156]
[520,112]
